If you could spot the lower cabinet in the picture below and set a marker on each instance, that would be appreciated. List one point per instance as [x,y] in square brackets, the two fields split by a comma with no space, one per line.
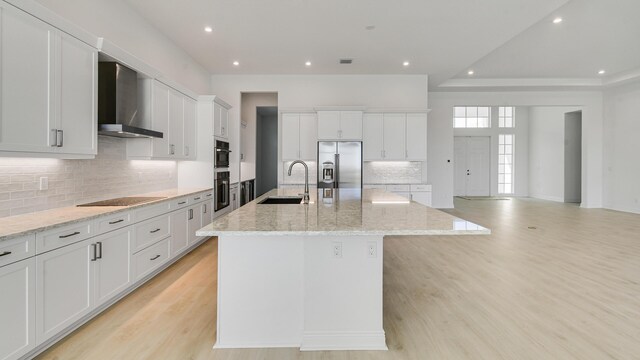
[151,258]
[179,228]
[194,223]
[17,308]
[112,264]
[64,287]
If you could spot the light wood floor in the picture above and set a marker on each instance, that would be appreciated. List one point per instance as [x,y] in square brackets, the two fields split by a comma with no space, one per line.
[568,289]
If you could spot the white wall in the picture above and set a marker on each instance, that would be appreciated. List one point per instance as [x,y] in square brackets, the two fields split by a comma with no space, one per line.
[440,143]
[521,160]
[304,92]
[622,146]
[546,152]
[119,23]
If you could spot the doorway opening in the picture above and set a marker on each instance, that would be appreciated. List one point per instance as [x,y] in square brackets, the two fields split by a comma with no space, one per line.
[266,149]
[472,163]
[573,157]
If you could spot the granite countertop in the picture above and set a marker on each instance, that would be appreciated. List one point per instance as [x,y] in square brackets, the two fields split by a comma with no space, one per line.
[340,212]
[21,225]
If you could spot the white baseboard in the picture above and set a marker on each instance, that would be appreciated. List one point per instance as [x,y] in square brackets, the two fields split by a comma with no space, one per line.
[318,341]
[546,197]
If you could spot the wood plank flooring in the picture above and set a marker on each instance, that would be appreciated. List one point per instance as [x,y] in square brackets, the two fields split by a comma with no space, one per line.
[568,289]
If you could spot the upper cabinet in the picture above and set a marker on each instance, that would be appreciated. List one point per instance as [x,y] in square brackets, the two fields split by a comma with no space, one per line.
[221,120]
[299,136]
[395,136]
[339,125]
[170,112]
[48,87]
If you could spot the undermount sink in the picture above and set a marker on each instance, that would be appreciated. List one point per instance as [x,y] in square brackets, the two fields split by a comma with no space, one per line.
[282,200]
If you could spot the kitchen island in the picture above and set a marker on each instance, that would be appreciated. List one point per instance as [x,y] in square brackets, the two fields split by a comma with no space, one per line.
[310,276]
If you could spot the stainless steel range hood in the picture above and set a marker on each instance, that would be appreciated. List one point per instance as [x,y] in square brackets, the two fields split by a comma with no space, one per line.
[118,113]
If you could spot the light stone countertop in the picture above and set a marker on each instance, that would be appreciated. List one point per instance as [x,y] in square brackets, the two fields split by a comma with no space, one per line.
[345,212]
[22,225]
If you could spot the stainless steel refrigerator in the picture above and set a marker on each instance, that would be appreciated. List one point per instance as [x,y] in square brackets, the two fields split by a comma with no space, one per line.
[340,164]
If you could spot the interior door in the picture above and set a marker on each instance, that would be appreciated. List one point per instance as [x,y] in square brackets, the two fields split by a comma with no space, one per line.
[472,159]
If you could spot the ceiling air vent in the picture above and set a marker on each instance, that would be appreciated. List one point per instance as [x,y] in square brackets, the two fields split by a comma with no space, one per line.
[346,61]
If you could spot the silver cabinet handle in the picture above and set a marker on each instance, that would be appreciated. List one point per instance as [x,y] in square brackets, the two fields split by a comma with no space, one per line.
[60,139]
[155,257]
[205,209]
[196,199]
[54,137]
[190,214]
[208,195]
[5,253]
[69,235]
[154,231]
[115,222]
[182,202]
[94,252]
[406,153]
[186,150]
[99,252]
[172,149]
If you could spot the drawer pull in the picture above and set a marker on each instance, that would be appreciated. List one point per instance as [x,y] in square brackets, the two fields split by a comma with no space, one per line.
[155,257]
[198,198]
[154,231]
[6,253]
[115,222]
[182,203]
[208,195]
[70,235]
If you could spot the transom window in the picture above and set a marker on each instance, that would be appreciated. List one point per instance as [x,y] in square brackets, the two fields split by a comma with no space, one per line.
[506,117]
[471,117]
[505,163]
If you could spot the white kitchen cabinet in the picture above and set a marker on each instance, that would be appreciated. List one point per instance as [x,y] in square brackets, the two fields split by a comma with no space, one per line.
[194,223]
[340,125]
[190,129]
[64,287]
[151,231]
[373,137]
[206,213]
[299,136]
[221,120]
[423,198]
[113,264]
[233,194]
[150,259]
[17,328]
[179,228]
[159,119]
[47,89]
[394,136]
[417,137]
[176,124]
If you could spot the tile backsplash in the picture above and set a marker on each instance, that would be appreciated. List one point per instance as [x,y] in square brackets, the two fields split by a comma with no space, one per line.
[73,182]
[392,172]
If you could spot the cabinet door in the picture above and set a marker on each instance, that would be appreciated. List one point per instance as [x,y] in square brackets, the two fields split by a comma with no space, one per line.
[207,213]
[190,123]
[233,194]
[176,124]
[404,194]
[224,122]
[328,125]
[417,137]
[394,133]
[160,118]
[179,234]
[113,264]
[217,121]
[64,284]
[351,125]
[26,81]
[423,198]
[195,223]
[17,328]
[372,137]
[77,83]
[290,136]
[308,137]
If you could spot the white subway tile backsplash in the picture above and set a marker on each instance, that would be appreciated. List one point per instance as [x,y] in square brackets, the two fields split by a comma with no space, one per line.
[73,182]
[392,172]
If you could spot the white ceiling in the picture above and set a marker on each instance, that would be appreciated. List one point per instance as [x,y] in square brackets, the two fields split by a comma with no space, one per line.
[438,37]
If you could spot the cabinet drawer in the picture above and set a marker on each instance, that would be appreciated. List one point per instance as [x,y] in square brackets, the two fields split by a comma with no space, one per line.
[149,212]
[179,203]
[420,187]
[17,249]
[151,231]
[53,239]
[375,186]
[113,222]
[209,195]
[197,198]
[151,258]
[395,188]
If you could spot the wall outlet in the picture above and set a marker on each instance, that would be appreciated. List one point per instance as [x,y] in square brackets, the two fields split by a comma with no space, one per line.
[372,249]
[337,249]
[44,183]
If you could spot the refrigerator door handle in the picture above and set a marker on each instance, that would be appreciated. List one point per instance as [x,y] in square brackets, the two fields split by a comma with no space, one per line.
[337,171]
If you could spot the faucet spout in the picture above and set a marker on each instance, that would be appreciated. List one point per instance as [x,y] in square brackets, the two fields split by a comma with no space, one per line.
[306,179]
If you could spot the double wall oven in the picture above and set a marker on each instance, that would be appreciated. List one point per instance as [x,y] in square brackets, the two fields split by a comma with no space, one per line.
[221,177]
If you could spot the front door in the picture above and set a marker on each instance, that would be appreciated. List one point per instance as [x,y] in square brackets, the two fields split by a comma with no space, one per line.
[472,160]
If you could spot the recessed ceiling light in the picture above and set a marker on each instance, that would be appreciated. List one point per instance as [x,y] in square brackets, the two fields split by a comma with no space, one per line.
[601,72]
[235,63]
[406,63]
[208,29]
[557,20]
[470,72]
[308,63]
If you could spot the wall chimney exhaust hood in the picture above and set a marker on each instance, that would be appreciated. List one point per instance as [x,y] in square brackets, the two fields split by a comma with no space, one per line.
[118,113]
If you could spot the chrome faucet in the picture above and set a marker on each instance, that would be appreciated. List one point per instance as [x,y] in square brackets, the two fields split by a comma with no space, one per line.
[305,196]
